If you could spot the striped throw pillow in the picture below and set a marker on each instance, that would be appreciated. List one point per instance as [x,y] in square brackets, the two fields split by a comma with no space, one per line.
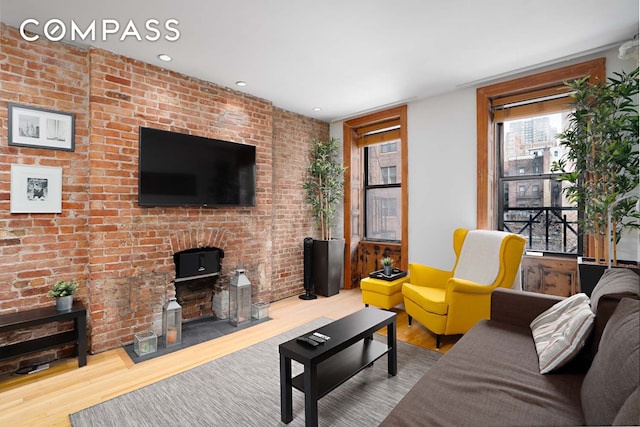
[560,332]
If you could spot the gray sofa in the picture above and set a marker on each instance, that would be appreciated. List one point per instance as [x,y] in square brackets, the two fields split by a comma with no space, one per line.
[491,376]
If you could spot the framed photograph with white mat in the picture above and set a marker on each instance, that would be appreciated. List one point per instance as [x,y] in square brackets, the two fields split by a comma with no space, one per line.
[40,128]
[36,189]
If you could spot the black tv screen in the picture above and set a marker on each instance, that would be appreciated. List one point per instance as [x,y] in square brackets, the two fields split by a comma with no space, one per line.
[184,170]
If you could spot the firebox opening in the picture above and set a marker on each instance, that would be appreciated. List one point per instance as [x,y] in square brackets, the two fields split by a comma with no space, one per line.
[197,263]
[197,271]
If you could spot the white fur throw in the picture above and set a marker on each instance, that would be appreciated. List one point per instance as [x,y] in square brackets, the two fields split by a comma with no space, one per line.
[480,256]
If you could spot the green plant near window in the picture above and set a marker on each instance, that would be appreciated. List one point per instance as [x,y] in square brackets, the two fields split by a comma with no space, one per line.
[324,183]
[63,288]
[602,148]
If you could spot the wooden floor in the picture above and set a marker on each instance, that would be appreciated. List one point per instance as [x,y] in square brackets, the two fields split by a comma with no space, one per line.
[46,398]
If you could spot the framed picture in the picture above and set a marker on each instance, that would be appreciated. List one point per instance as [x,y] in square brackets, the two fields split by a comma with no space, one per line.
[36,189]
[39,128]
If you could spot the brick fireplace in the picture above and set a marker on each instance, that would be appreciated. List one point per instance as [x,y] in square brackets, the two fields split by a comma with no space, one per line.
[120,253]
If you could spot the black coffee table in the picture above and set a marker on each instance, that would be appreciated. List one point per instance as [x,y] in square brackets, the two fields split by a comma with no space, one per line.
[350,349]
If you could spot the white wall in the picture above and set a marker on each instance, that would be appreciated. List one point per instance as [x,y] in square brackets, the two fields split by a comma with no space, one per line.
[442,171]
[442,174]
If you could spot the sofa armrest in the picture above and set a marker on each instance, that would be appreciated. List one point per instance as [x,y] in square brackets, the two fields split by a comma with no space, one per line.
[519,308]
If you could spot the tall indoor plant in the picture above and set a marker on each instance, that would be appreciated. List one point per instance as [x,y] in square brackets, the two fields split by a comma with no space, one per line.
[601,162]
[324,187]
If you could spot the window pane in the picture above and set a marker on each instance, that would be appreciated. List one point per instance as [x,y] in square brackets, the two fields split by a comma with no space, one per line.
[383,165]
[530,145]
[384,214]
[538,210]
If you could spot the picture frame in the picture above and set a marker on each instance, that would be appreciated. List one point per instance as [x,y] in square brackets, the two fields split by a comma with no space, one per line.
[36,189]
[41,128]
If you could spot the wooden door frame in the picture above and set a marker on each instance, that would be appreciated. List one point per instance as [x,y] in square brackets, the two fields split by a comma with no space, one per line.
[352,152]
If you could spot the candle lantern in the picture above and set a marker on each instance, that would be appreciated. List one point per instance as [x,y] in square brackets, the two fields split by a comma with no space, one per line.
[239,299]
[172,323]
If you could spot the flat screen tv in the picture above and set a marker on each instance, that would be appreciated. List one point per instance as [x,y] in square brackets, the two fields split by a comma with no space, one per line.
[184,170]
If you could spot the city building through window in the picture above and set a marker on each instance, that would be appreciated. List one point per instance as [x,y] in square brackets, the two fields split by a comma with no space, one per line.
[533,203]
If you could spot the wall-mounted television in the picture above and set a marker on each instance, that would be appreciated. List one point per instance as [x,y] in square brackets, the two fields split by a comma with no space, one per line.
[177,169]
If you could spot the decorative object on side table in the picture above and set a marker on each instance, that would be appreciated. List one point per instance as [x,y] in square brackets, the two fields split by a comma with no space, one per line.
[172,323]
[63,292]
[387,265]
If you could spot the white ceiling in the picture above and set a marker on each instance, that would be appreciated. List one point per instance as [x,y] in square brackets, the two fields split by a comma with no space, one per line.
[349,56]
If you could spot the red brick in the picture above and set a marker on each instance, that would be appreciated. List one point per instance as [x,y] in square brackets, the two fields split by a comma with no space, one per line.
[121,252]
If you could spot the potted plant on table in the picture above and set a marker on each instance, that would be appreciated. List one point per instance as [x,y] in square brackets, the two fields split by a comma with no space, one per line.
[600,167]
[324,187]
[387,265]
[63,292]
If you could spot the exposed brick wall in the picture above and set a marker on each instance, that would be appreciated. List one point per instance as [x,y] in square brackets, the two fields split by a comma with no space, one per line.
[292,216]
[36,250]
[122,253]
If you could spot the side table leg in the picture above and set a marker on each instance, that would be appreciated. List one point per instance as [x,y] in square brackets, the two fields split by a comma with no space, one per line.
[392,356]
[286,392]
[81,329]
[311,396]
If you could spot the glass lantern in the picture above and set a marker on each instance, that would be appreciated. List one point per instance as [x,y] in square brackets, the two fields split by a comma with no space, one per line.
[239,299]
[172,323]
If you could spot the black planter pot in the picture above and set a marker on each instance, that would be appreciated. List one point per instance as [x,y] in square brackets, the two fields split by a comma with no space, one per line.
[588,276]
[328,266]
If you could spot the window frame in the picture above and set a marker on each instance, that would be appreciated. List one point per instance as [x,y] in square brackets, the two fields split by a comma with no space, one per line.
[487,146]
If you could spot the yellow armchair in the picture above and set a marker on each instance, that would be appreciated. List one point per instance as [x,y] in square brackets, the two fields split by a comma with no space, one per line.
[451,302]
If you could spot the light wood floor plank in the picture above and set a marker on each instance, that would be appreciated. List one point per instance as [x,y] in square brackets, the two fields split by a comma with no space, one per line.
[46,398]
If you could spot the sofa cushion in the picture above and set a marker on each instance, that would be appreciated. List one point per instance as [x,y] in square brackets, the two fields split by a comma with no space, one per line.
[561,331]
[491,378]
[615,281]
[615,372]
[629,414]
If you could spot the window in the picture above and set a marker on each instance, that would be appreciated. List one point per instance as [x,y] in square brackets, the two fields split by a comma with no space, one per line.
[382,191]
[388,174]
[550,224]
[389,147]
[515,134]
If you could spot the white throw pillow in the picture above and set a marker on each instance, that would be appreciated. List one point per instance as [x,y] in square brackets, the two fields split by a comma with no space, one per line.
[561,331]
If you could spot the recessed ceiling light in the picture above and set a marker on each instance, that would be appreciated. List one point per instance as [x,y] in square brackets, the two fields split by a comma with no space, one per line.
[241,83]
[164,57]
[317,109]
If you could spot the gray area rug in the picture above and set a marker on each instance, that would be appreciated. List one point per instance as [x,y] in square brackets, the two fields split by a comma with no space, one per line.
[243,389]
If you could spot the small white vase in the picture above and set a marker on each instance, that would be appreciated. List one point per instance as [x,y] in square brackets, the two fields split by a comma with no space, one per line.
[64,303]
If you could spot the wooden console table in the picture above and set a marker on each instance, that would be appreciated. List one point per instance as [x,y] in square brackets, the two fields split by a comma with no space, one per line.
[39,316]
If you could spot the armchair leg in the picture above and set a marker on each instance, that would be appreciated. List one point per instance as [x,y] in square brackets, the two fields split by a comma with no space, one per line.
[438,336]
[410,319]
